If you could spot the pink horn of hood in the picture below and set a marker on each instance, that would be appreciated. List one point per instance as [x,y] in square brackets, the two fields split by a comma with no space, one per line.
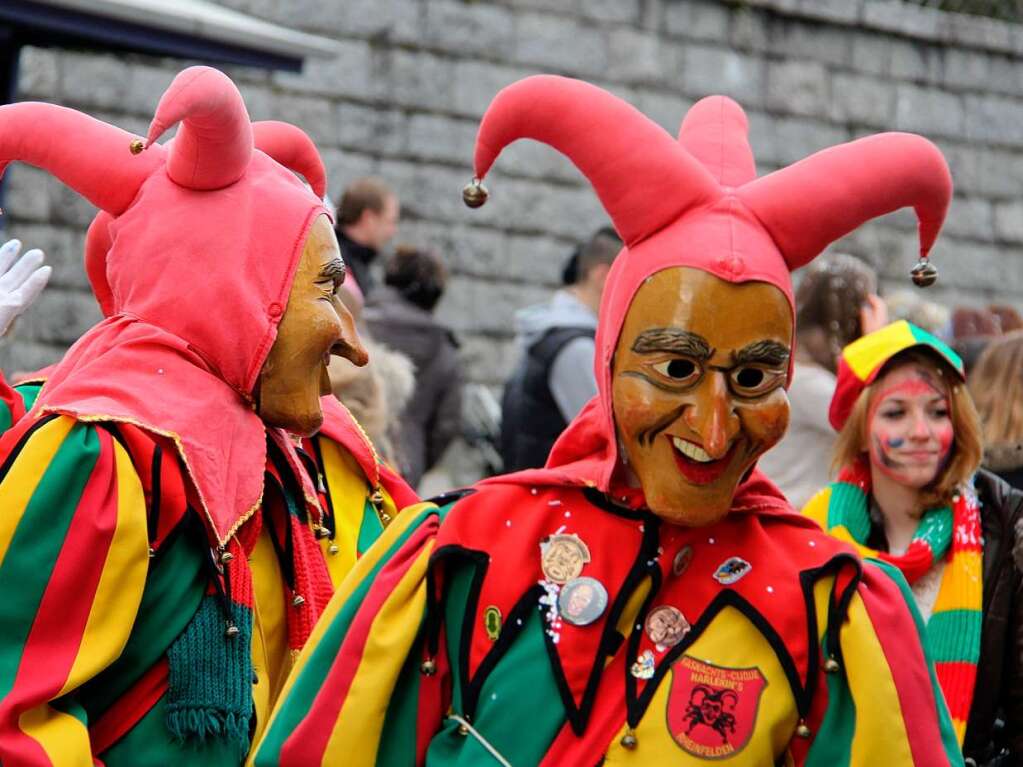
[98,242]
[643,177]
[88,155]
[213,146]
[291,147]
[809,205]
[716,132]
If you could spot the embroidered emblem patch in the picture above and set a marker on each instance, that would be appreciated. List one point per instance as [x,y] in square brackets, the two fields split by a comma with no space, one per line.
[681,562]
[582,601]
[731,570]
[562,557]
[666,626]
[712,710]
[492,622]
[644,666]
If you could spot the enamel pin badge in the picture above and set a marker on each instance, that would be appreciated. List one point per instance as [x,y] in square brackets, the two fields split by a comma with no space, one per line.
[731,570]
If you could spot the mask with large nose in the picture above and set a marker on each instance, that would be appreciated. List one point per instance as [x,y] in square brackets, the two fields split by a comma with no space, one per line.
[315,326]
[697,388]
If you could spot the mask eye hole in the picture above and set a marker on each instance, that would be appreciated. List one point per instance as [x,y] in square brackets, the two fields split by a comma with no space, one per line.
[677,369]
[752,381]
[750,378]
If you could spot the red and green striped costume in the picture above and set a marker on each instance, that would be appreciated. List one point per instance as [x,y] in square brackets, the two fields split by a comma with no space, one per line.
[104,563]
[809,640]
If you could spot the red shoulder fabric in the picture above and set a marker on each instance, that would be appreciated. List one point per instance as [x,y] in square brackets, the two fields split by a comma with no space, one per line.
[340,426]
[179,363]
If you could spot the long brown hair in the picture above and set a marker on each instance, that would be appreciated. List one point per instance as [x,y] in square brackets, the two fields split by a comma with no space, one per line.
[967,447]
[996,383]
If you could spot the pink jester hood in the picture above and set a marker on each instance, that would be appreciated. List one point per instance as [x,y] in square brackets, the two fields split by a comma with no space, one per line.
[697,202]
[191,257]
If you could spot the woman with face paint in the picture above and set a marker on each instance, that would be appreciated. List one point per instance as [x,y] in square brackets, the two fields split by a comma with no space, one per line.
[648,597]
[909,494]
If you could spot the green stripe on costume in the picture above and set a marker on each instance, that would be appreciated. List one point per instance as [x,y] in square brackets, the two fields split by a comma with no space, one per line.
[320,657]
[38,539]
[953,637]
[175,585]
[949,744]
[521,688]
[29,394]
[832,744]
[370,529]
[398,748]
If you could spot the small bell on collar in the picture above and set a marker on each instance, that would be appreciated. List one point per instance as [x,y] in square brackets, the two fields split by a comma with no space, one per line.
[428,667]
[924,274]
[136,146]
[629,740]
[474,194]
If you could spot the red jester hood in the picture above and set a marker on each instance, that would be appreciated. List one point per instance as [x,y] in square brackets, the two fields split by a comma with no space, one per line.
[192,257]
[697,202]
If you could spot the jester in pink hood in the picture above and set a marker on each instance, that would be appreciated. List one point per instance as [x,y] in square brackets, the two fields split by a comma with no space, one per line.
[648,597]
[175,518]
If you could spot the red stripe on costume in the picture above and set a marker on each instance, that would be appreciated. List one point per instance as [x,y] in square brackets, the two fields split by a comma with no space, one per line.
[308,741]
[434,700]
[129,709]
[952,676]
[902,649]
[55,639]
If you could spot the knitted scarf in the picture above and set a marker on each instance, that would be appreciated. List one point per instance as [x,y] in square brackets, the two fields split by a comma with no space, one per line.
[210,675]
[953,630]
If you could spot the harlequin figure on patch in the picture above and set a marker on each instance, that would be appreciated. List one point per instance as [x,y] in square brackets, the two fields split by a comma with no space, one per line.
[718,623]
[158,541]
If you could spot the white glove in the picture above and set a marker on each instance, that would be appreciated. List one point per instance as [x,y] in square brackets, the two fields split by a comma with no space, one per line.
[21,281]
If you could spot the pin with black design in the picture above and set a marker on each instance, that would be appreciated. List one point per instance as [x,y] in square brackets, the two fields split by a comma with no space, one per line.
[731,570]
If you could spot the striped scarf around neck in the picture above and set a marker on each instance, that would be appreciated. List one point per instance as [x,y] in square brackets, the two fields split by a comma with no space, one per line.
[954,628]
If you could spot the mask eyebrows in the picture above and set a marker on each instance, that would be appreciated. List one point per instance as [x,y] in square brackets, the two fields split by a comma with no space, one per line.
[770,353]
[334,270]
[673,341]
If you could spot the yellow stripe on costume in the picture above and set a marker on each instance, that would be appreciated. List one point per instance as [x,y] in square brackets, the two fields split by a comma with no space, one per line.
[363,567]
[64,738]
[627,621]
[119,591]
[21,482]
[961,587]
[357,731]
[881,736]
[348,490]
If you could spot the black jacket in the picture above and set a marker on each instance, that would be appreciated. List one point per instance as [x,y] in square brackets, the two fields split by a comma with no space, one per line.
[433,417]
[998,694]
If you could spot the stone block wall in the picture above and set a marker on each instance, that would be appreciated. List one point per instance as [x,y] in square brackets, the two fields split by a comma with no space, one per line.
[403,97]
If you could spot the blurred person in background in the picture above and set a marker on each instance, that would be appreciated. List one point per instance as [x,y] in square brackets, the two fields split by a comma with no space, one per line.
[910,495]
[836,303]
[400,315]
[972,331]
[377,392]
[910,306]
[996,383]
[1008,318]
[367,218]
[554,377]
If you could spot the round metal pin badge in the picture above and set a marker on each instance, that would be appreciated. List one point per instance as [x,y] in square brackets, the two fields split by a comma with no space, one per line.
[562,557]
[582,601]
